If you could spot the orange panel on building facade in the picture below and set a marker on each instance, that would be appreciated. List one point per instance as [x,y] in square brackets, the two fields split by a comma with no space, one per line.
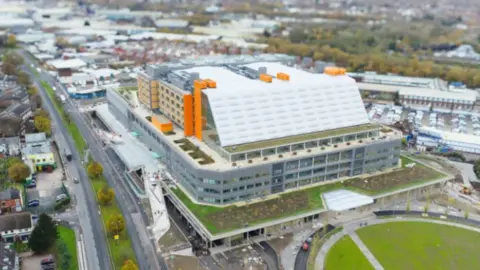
[266,78]
[334,71]
[163,127]
[211,83]
[166,127]
[283,76]
[197,97]
[188,115]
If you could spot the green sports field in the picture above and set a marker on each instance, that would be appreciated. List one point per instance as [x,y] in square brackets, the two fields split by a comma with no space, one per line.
[421,245]
[345,254]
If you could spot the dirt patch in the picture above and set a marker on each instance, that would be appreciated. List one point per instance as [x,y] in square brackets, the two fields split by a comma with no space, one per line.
[397,178]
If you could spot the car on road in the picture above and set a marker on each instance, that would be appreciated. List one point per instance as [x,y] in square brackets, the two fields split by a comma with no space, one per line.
[305,246]
[75,180]
[309,240]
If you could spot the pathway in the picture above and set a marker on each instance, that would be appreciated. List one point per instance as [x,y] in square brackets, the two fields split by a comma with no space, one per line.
[352,227]
[365,251]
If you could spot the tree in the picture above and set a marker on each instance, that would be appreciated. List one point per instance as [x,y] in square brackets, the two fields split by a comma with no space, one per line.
[115,224]
[32,90]
[9,68]
[95,169]
[11,41]
[129,265]
[42,112]
[43,235]
[10,63]
[297,35]
[23,78]
[42,124]
[18,171]
[105,194]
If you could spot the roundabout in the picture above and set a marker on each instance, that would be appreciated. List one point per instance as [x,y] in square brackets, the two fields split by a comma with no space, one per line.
[398,244]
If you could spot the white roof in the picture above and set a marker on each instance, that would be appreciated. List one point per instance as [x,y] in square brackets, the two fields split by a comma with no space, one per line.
[249,110]
[341,200]
[377,87]
[466,95]
[102,72]
[44,56]
[12,22]
[451,137]
[69,63]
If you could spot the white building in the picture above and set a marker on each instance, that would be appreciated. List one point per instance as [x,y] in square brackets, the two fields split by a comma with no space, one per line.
[459,142]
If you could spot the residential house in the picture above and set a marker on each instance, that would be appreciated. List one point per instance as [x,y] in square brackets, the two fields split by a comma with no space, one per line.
[8,258]
[16,227]
[10,146]
[10,201]
[15,108]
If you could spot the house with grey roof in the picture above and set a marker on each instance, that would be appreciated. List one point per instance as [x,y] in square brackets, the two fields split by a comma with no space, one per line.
[16,226]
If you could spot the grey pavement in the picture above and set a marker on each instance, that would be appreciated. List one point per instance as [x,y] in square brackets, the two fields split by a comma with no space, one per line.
[365,250]
[95,240]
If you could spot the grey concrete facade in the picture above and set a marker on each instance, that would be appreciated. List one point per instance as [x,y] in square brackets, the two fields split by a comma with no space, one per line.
[240,184]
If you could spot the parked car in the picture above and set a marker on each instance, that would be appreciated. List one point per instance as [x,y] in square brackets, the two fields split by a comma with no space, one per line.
[61,197]
[33,203]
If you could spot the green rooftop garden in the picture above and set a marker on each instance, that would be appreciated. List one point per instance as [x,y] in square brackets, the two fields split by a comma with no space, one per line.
[300,138]
[223,219]
[194,151]
[398,179]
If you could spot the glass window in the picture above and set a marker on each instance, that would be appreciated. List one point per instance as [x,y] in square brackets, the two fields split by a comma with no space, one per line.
[333,157]
[319,160]
[305,163]
[291,176]
[305,173]
[292,165]
[319,171]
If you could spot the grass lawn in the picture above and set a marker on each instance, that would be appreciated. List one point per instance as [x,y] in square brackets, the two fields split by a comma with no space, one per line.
[398,179]
[68,236]
[421,245]
[71,127]
[345,254]
[221,219]
[122,248]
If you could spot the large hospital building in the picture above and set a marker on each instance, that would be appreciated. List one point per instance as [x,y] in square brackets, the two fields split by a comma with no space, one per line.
[233,129]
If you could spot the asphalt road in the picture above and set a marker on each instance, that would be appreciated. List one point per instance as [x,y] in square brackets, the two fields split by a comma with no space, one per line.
[302,256]
[135,218]
[90,222]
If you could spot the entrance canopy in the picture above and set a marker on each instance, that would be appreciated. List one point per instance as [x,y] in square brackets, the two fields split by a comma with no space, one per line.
[341,200]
